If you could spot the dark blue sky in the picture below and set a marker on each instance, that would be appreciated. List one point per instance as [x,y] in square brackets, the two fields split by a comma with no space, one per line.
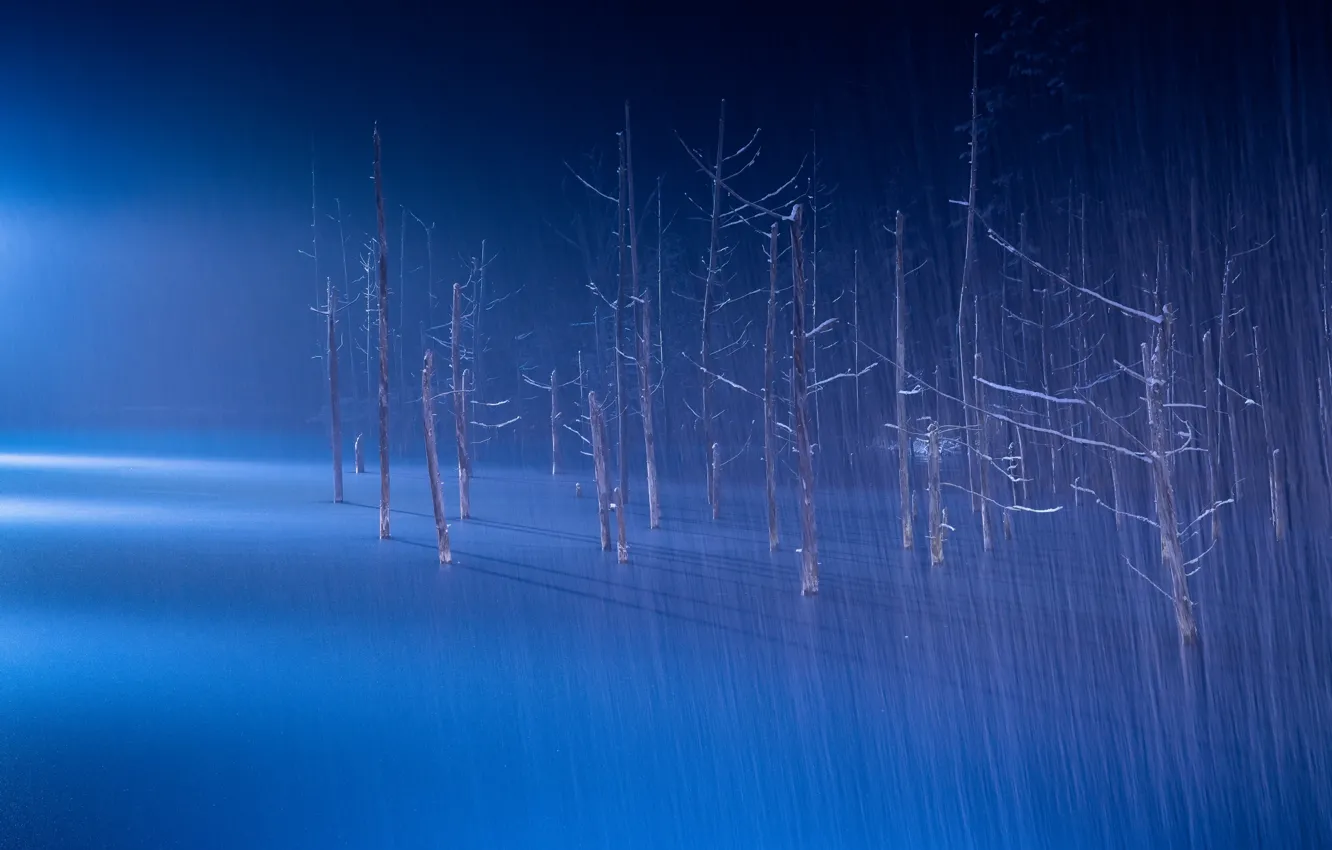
[154,169]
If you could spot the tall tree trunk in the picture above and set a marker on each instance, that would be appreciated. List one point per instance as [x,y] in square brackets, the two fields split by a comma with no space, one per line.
[383,348]
[621,409]
[554,426]
[1275,485]
[432,457]
[809,551]
[334,406]
[1167,518]
[597,425]
[359,455]
[938,516]
[903,439]
[460,377]
[1212,401]
[715,496]
[644,334]
[621,539]
[967,259]
[982,458]
[714,248]
[769,402]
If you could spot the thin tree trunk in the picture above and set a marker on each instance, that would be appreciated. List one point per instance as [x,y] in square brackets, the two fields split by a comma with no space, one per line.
[715,478]
[554,426]
[432,457]
[334,407]
[1172,551]
[644,335]
[597,425]
[460,377]
[621,416]
[982,457]
[621,540]
[769,402]
[360,455]
[383,348]
[1211,400]
[714,247]
[809,550]
[938,516]
[903,439]
[1275,485]
[967,258]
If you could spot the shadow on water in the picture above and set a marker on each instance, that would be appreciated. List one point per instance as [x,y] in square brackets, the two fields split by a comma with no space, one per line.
[319,687]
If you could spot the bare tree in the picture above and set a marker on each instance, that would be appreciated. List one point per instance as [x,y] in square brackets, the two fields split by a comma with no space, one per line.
[644,349]
[938,515]
[903,449]
[432,457]
[383,347]
[599,465]
[809,551]
[709,284]
[769,401]
[460,406]
[334,405]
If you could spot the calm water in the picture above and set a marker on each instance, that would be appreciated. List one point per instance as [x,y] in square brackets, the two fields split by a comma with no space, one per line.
[205,654]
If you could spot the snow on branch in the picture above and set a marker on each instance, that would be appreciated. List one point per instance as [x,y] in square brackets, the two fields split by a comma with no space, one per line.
[839,376]
[1123,308]
[1029,393]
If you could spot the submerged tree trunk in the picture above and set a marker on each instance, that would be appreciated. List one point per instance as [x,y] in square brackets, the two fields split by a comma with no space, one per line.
[432,457]
[460,376]
[1275,486]
[384,532]
[359,455]
[809,544]
[983,459]
[644,334]
[938,516]
[903,439]
[714,495]
[769,402]
[554,426]
[597,425]
[714,248]
[334,407]
[1167,518]
[1211,400]
[967,261]
[621,414]
[621,539]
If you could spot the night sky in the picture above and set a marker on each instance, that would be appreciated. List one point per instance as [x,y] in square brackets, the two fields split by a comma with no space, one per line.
[155,164]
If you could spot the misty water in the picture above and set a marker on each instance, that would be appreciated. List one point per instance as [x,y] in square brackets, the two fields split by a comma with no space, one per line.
[198,649]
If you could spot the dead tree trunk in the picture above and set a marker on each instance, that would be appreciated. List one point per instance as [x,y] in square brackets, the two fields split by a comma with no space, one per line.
[621,415]
[360,455]
[714,479]
[554,426]
[983,458]
[938,516]
[1172,551]
[621,539]
[903,439]
[464,452]
[460,376]
[1211,400]
[383,348]
[1275,485]
[809,549]
[334,407]
[967,260]
[644,347]
[432,457]
[714,248]
[769,402]
[597,424]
